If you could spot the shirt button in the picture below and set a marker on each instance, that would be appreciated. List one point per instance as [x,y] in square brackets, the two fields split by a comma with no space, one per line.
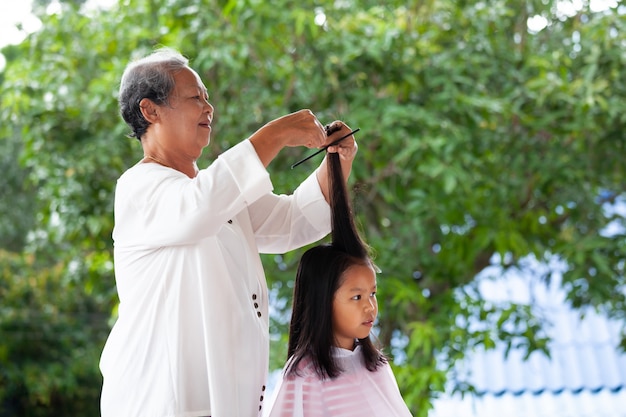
[254,296]
[258,313]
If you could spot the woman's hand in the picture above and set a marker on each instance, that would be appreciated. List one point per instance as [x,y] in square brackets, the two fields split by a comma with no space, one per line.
[300,128]
[347,148]
[295,129]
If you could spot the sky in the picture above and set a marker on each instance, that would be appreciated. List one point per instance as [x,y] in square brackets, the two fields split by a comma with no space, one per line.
[17,12]
[13,12]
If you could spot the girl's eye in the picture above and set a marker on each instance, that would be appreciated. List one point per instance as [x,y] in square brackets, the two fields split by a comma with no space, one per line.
[373,294]
[356,297]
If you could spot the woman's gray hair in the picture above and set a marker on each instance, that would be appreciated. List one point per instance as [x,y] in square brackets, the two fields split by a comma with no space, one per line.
[151,77]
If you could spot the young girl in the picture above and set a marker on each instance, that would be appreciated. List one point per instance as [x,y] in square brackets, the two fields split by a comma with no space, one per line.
[334,369]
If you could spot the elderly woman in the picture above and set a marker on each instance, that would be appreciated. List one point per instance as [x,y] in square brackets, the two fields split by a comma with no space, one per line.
[192,335]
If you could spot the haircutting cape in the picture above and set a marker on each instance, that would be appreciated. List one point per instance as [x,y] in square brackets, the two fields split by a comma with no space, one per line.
[356,392]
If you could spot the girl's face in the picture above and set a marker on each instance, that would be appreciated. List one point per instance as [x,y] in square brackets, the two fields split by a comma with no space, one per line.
[354,306]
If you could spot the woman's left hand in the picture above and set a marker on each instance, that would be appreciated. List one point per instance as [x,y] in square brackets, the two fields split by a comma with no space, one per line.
[348,147]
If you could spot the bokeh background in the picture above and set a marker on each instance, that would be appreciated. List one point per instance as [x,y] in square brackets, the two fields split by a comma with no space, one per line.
[492,138]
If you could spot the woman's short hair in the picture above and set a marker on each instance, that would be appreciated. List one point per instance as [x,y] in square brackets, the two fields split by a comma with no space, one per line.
[151,77]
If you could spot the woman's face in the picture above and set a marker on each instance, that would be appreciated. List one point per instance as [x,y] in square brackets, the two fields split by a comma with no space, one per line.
[185,122]
[354,306]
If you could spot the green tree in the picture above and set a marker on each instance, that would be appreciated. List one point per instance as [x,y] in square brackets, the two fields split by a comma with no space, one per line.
[482,142]
[47,331]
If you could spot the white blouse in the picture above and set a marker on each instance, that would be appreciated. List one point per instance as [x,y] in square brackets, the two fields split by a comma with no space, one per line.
[192,334]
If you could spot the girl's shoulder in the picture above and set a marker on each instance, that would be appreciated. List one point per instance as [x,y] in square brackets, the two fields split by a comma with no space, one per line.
[349,361]
[304,370]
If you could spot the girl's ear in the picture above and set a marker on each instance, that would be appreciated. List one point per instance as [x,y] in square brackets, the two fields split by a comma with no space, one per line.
[148,109]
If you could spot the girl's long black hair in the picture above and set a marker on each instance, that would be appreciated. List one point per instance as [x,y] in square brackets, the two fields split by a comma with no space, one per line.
[319,275]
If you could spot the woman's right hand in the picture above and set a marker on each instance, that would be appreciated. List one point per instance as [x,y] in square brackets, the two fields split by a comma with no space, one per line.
[300,128]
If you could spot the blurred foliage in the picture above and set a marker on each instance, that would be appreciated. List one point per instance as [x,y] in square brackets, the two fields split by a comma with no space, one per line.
[481,142]
[47,333]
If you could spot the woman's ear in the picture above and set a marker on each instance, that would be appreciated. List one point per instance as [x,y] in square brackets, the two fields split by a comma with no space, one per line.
[148,109]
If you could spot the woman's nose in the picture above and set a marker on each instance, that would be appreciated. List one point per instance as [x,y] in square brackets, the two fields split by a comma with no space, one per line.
[209,109]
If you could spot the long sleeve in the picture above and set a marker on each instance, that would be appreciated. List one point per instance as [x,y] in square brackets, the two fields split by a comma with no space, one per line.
[158,206]
[192,334]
